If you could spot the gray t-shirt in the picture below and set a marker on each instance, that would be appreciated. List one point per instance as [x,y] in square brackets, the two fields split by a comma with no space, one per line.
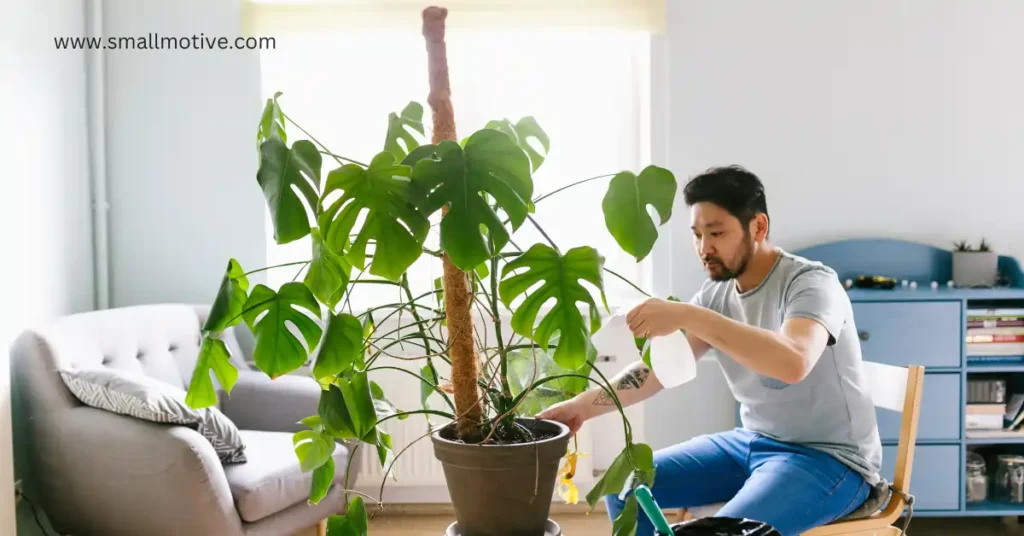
[830,409]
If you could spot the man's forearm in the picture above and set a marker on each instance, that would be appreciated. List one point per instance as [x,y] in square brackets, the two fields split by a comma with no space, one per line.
[634,384]
[764,351]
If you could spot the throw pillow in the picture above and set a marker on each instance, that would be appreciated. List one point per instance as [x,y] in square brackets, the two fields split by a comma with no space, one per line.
[148,399]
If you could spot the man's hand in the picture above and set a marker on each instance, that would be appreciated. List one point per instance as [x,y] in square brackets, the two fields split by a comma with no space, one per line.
[656,317]
[570,413]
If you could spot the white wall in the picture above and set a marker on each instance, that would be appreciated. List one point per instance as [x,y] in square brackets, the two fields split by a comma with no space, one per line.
[47,259]
[864,119]
[181,140]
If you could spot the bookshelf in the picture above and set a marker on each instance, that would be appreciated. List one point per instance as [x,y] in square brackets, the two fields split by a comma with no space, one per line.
[929,327]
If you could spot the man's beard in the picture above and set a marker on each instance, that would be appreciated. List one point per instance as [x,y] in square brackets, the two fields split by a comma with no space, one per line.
[728,273]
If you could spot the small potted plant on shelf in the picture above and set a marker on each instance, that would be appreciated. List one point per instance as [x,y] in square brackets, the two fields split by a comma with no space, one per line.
[368,223]
[974,267]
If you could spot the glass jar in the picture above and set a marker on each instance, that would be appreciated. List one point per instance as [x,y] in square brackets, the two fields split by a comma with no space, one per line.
[977,478]
[1009,483]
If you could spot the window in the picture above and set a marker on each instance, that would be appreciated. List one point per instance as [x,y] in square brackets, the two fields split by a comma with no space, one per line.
[588,89]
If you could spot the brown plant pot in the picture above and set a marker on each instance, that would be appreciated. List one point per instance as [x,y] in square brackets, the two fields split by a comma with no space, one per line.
[502,489]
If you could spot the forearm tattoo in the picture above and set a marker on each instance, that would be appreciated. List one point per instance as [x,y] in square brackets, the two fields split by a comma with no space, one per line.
[634,379]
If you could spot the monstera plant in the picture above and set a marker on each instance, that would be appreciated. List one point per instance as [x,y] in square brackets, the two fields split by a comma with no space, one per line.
[368,222]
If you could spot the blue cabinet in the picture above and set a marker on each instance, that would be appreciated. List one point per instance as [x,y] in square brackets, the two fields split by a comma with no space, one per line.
[935,482]
[923,326]
[941,406]
[926,333]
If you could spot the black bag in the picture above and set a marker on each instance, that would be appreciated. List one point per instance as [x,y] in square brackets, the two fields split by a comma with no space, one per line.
[723,526]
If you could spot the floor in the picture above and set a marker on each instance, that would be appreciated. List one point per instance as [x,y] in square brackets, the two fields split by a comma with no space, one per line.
[596,524]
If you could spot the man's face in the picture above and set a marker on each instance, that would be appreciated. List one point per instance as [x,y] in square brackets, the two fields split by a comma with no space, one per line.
[723,244]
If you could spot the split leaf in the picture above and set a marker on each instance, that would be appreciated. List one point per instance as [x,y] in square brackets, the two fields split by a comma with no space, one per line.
[280,170]
[213,355]
[490,167]
[328,273]
[625,208]
[278,351]
[560,278]
[398,129]
[227,307]
[341,347]
[386,194]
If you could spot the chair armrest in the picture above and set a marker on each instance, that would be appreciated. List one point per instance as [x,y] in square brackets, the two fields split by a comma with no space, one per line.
[115,474]
[258,403]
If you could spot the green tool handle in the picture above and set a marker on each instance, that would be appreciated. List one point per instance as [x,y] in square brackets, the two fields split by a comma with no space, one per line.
[653,511]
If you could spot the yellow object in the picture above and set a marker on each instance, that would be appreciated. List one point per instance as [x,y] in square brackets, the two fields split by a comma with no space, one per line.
[566,488]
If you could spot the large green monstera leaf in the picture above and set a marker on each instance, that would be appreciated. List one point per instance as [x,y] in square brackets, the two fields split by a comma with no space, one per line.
[521,133]
[268,314]
[398,129]
[341,348]
[227,307]
[561,280]
[386,194]
[281,168]
[225,312]
[625,208]
[328,273]
[213,355]
[491,164]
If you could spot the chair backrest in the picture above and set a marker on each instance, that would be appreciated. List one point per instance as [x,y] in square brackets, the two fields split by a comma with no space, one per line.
[898,389]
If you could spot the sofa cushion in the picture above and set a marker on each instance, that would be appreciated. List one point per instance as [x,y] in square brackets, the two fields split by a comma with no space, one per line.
[153,400]
[273,480]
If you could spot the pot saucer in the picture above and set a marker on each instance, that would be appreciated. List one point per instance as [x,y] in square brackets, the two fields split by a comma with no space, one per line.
[552,529]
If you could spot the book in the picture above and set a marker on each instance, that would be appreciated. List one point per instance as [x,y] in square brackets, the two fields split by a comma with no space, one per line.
[995,348]
[1001,312]
[979,339]
[995,323]
[986,409]
[993,421]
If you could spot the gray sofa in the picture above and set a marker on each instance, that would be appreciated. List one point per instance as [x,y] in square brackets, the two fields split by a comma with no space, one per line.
[99,473]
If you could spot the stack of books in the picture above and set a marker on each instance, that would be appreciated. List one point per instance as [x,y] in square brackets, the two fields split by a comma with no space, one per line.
[995,334]
[988,420]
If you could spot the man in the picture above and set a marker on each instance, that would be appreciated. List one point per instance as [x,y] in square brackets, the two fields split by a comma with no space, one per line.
[782,327]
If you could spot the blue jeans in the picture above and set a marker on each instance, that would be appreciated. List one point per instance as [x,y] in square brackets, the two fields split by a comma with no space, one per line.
[791,487]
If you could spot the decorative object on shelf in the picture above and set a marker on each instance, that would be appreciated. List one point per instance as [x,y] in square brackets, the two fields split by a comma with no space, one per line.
[977,478]
[875,281]
[975,267]
[1009,482]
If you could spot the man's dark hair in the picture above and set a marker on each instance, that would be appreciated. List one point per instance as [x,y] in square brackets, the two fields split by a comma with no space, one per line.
[733,188]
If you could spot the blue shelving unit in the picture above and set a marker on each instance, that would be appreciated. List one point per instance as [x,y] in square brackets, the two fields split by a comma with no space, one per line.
[925,326]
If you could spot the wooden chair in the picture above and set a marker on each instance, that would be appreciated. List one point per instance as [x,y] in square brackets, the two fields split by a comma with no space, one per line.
[897,389]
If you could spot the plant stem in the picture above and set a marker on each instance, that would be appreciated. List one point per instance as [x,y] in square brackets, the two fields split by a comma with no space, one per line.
[416,317]
[628,282]
[339,157]
[264,269]
[542,232]
[316,141]
[502,353]
[422,379]
[417,412]
[577,183]
[421,322]
[348,468]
